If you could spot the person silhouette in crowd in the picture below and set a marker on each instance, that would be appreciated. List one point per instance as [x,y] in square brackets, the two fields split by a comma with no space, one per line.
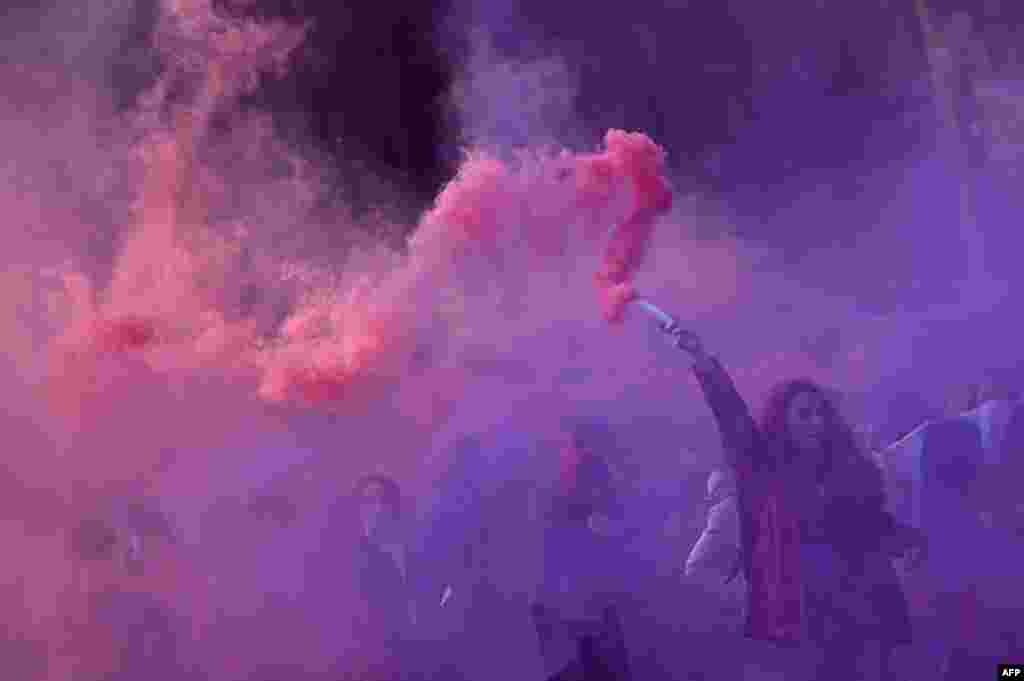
[817,539]
[577,612]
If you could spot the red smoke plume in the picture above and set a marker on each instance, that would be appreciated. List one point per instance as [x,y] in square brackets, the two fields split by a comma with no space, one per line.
[635,159]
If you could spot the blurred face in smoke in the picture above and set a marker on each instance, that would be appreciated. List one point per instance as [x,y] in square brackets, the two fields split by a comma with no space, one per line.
[380,510]
[806,420]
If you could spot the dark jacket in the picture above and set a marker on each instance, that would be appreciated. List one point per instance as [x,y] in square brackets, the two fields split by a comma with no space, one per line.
[386,592]
[395,610]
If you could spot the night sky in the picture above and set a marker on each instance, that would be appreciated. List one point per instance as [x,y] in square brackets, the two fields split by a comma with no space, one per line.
[371,83]
[713,80]
[757,109]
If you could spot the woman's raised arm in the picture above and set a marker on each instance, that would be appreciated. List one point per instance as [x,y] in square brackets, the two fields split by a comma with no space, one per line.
[741,438]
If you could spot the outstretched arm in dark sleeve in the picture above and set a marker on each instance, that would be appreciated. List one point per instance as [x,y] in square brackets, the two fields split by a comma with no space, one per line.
[739,433]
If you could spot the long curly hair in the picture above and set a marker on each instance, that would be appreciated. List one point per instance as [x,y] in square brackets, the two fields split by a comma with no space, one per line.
[844,467]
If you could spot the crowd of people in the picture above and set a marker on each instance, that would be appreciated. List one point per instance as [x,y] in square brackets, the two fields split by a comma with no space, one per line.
[841,553]
[819,551]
